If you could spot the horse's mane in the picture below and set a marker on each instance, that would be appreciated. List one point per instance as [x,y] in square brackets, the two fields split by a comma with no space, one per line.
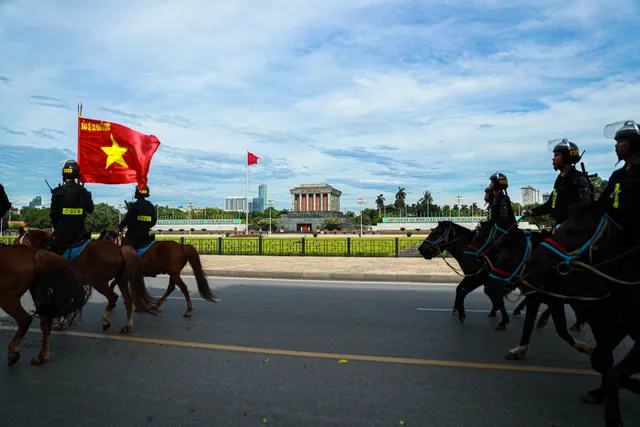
[33,231]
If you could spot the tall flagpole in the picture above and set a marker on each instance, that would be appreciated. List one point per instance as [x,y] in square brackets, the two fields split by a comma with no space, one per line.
[247,201]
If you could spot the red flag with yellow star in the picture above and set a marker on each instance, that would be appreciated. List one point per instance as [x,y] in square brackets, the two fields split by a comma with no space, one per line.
[110,153]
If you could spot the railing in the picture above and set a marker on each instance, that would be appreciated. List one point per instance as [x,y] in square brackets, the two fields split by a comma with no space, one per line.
[298,246]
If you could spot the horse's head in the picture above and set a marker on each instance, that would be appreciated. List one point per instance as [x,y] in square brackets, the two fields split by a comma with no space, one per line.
[110,235]
[32,237]
[588,236]
[438,239]
[482,244]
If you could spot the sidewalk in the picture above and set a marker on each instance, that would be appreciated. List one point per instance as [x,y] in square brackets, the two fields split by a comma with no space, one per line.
[330,268]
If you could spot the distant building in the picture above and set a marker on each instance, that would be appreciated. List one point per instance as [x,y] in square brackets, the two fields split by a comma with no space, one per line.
[545,197]
[529,195]
[235,203]
[311,204]
[256,205]
[36,202]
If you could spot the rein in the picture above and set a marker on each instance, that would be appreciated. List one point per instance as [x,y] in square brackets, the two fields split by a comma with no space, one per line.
[444,240]
[571,259]
[29,242]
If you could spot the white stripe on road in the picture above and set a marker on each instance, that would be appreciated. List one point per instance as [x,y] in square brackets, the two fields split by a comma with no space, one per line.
[326,281]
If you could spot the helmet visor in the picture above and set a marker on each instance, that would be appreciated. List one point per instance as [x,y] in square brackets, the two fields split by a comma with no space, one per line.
[611,129]
[551,145]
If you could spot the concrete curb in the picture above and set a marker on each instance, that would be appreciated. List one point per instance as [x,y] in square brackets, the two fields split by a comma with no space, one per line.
[357,277]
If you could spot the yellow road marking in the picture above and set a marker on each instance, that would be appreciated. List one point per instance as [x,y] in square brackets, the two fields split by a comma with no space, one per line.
[317,355]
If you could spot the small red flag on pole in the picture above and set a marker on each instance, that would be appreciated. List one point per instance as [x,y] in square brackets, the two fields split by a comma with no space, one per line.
[252,159]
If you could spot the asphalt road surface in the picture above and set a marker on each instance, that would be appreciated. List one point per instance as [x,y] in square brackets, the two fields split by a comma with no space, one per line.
[231,364]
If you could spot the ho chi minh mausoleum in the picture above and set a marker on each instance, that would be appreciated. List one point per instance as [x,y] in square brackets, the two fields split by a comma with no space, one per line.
[311,204]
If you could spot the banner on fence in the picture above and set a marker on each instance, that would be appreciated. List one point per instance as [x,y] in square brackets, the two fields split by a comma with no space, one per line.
[198,221]
[434,219]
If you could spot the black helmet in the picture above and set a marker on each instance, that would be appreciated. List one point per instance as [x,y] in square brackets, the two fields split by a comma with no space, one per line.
[488,190]
[626,129]
[142,193]
[500,181]
[70,170]
[570,151]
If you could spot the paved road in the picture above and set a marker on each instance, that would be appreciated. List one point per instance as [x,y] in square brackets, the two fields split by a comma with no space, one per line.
[93,381]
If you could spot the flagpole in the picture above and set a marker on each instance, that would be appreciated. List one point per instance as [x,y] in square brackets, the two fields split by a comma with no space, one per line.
[247,201]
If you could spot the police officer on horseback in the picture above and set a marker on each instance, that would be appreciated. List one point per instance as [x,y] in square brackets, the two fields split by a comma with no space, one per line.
[70,204]
[140,218]
[501,211]
[620,198]
[571,187]
[5,204]
[488,200]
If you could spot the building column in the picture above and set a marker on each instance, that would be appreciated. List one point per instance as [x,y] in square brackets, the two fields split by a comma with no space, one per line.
[321,201]
[307,202]
[315,196]
[293,202]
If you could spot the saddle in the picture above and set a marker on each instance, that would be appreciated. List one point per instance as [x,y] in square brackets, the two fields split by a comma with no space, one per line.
[76,248]
[144,248]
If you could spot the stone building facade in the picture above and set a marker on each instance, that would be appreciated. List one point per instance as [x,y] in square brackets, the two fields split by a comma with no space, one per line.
[311,204]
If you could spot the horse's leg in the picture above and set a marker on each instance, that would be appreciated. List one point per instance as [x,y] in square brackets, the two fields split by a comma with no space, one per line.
[175,277]
[579,323]
[170,288]
[468,285]
[14,308]
[128,304]
[544,318]
[629,365]
[45,327]
[533,305]
[560,323]
[520,307]
[495,290]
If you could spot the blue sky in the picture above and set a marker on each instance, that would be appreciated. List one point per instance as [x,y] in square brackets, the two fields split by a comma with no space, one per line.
[364,95]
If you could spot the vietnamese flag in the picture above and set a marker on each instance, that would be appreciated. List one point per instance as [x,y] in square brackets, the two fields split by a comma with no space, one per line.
[110,153]
[252,159]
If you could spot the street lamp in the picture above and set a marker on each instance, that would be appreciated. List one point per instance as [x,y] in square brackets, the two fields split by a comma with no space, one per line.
[190,205]
[361,202]
[270,203]
[458,199]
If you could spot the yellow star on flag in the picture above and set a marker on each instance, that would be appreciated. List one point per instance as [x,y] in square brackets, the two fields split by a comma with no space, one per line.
[115,153]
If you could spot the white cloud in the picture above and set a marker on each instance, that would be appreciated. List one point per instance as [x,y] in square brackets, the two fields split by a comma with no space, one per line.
[454,88]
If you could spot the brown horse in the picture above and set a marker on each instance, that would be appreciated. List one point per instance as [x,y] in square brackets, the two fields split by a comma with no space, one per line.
[58,291]
[170,257]
[103,261]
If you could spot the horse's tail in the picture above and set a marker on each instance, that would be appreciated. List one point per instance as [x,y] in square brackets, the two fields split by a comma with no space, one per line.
[193,258]
[132,275]
[60,290]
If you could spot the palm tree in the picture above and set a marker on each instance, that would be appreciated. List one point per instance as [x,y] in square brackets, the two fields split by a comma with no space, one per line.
[401,195]
[426,201]
[380,203]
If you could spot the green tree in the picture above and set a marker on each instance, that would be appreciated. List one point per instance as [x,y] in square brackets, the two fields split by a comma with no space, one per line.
[36,217]
[103,216]
[332,223]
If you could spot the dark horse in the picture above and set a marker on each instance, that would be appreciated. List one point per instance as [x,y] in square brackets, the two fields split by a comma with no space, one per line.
[58,291]
[454,238]
[103,261]
[170,257]
[589,259]
[515,248]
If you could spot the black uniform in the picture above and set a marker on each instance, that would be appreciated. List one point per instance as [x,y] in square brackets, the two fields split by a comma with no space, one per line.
[5,204]
[501,213]
[70,204]
[140,218]
[621,199]
[570,188]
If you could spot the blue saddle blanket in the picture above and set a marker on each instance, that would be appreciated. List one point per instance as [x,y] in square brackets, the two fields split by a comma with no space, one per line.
[75,250]
[146,247]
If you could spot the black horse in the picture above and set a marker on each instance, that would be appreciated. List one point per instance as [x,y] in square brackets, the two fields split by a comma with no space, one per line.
[590,259]
[515,248]
[454,239]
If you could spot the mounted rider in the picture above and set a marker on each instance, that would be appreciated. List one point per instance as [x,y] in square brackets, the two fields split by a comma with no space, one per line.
[488,201]
[501,211]
[571,187]
[620,198]
[70,204]
[5,204]
[140,218]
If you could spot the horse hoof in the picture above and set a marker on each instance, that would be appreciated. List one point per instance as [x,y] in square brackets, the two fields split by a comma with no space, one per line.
[36,361]
[105,326]
[541,325]
[187,313]
[491,314]
[125,330]
[592,398]
[515,355]
[13,359]
[462,318]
